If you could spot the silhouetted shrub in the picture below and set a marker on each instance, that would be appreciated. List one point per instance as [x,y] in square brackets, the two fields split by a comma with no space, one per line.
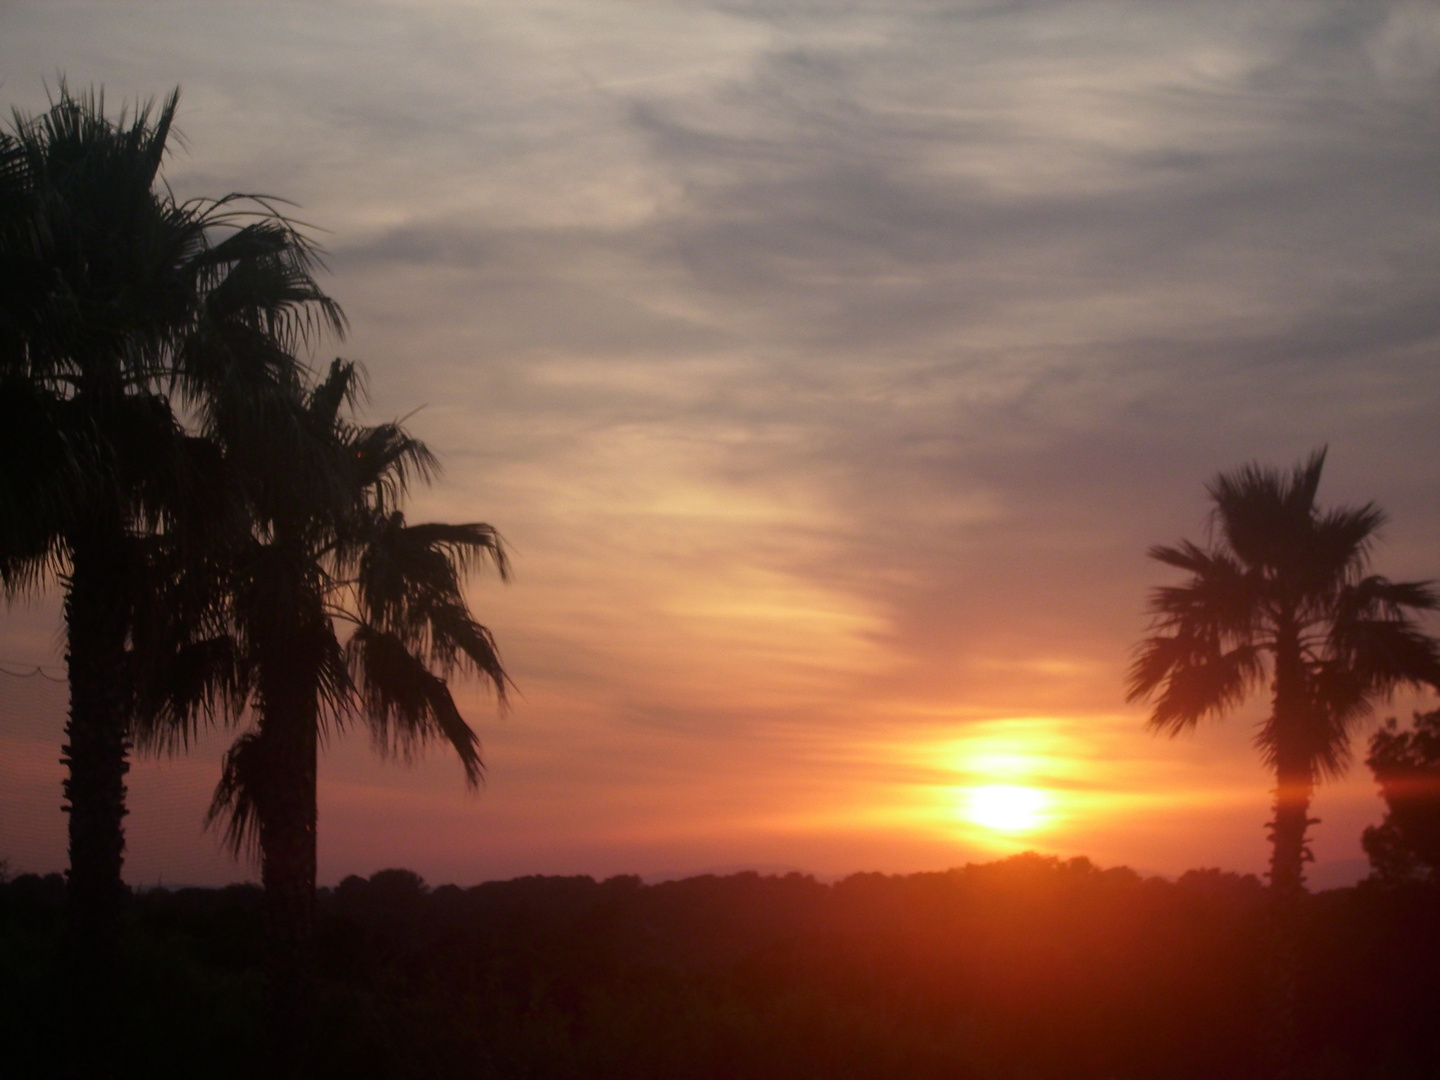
[1405,846]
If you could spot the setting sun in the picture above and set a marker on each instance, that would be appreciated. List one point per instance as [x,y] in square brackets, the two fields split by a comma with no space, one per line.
[1006,807]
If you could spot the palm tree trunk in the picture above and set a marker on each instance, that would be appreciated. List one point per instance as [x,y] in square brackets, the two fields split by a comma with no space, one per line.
[1294,786]
[1293,726]
[1289,852]
[288,866]
[96,756]
[1287,889]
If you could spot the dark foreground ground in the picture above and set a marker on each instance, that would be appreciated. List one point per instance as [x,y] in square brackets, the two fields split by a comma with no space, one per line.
[1027,969]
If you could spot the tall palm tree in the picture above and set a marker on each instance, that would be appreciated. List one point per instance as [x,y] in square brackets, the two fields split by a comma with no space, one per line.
[340,611]
[122,310]
[1283,597]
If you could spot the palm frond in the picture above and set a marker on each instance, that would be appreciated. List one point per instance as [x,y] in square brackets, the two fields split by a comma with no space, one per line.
[1379,597]
[200,680]
[408,585]
[45,467]
[1191,678]
[1344,537]
[1384,654]
[240,801]
[1187,556]
[467,546]
[342,386]
[152,456]
[458,642]
[1264,513]
[1221,599]
[386,459]
[1373,635]
[406,704]
[333,682]
[403,570]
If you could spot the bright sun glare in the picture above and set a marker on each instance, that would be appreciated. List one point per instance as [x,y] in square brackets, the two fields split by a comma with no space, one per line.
[1006,807]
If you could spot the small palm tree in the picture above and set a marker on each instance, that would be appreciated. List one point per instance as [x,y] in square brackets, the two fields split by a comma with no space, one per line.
[115,298]
[1283,597]
[339,611]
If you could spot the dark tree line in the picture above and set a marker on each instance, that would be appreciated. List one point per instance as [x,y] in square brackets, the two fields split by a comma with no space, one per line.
[1030,967]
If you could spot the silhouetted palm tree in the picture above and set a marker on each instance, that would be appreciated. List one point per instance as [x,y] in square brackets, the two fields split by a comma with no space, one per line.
[1282,596]
[341,611]
[114,299]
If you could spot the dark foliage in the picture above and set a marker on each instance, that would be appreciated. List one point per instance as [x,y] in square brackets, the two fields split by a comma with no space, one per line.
[1406,844]
[1030,967]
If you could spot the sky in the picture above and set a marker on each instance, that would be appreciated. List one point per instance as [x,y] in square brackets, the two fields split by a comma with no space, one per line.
[829,369]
